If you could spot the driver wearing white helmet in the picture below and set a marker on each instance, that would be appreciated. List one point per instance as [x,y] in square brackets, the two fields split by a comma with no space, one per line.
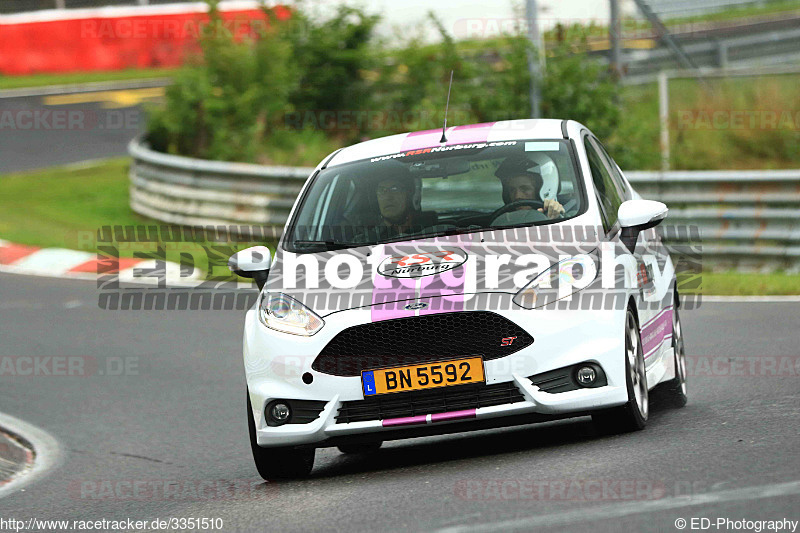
[521,182]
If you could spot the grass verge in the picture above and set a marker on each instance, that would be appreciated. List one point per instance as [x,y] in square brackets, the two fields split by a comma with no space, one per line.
[734,283]
[64,207]
[70,78]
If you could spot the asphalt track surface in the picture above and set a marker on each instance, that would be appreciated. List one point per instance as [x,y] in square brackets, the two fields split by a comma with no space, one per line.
[43,131]
[178,419]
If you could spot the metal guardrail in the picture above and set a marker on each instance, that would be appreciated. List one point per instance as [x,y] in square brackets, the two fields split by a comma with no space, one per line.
[774,47]
[743,218]
[195,192]
[747,219]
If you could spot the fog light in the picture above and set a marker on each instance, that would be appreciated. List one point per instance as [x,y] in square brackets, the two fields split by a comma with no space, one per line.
[586,375]
[279,413]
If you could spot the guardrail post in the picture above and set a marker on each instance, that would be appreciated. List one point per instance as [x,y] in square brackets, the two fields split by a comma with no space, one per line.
[663,111]
[722,54]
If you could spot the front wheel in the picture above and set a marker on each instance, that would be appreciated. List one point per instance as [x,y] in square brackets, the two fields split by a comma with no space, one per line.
[633,415]
[278,463]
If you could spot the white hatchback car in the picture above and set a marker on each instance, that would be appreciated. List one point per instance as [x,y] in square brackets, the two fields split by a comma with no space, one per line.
[501,274]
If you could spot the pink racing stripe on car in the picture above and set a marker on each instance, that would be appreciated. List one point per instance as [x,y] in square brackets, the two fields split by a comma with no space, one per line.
[389,311]
[472,133]
[655,331]
[405,421]
[655,317]
[446,290]
[421,139]
[386,293]
[454,415]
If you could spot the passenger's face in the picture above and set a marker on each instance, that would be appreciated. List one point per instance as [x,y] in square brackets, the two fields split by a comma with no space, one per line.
[521,188]
[392,199]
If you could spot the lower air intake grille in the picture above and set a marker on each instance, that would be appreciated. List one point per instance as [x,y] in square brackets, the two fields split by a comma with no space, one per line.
[304,411]
[555,381]
[421,339]
[431,401]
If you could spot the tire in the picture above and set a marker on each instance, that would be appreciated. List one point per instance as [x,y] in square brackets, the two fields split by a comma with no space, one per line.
[633,415]
[278,463]
[674,390]
[367,447]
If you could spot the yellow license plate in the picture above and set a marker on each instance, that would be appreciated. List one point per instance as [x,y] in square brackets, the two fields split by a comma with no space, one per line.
[424,376]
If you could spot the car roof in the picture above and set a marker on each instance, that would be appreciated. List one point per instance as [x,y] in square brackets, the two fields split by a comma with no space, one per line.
[506,130]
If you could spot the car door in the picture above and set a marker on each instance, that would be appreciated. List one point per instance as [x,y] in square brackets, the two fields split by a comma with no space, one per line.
[654,276]
[611,193]
[658,258]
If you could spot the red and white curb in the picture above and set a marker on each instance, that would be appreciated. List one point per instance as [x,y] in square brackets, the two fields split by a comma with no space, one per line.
[64,263]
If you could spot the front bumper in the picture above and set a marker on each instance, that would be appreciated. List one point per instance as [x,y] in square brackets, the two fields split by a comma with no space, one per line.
[275,364]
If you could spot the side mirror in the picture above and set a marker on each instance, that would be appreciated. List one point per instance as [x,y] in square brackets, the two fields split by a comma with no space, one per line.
[635,216]
[253,263]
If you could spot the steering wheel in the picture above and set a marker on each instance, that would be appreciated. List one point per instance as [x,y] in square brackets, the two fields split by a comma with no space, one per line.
[513,206]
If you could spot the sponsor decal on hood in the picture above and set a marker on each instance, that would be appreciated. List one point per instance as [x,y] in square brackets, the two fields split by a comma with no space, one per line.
[445,273]
[422,264]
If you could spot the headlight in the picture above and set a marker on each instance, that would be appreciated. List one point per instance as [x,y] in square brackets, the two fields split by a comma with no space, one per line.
[282,313]
[558,282]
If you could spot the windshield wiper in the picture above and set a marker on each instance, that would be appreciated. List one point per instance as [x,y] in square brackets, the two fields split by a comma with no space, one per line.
[443,233]
[329,244]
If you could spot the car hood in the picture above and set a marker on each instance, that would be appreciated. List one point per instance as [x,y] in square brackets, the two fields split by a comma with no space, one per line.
[427,275]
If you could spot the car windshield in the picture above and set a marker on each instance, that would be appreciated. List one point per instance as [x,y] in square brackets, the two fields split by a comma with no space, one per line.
[438,191]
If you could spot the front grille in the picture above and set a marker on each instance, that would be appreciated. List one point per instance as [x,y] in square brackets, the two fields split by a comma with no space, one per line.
[428,402]
[427,338]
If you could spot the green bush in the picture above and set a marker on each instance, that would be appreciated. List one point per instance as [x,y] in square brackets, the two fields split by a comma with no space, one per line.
[222,108]
[580,88]
[332,55]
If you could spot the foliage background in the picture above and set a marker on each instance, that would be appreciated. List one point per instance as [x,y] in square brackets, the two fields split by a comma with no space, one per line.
[294,91]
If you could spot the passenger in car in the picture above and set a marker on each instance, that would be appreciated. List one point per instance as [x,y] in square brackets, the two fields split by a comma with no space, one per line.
[399,205]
